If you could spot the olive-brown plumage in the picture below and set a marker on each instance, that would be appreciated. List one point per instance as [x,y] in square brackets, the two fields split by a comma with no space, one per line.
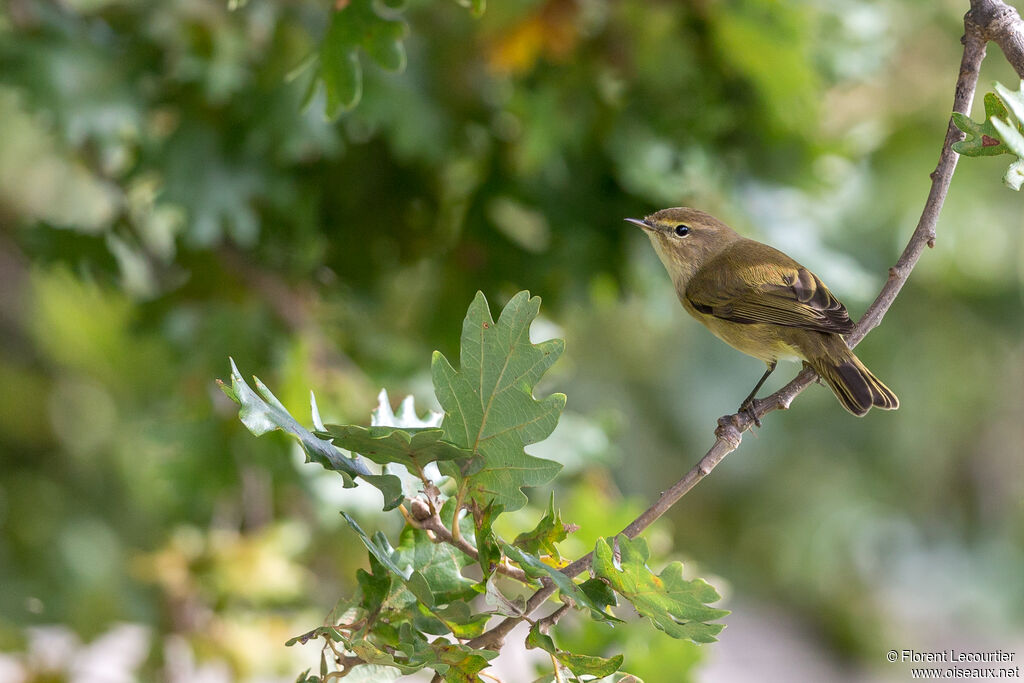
[762,302]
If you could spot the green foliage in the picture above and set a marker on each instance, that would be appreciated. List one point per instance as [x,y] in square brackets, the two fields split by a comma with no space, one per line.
[266,414]
[412,448]
[489,405]
[578,664]
[166,201]
[370,26]
[355,25]
[549,531]
[1002,131]
[487,547]
[569,589]
[675,605]
[417,589]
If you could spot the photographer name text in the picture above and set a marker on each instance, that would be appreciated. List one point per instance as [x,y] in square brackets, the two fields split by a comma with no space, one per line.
[955,656]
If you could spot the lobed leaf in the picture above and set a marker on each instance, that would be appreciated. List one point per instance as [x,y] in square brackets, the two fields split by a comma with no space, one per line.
[675,605]
[1002,131]
[489,405]
[982,139]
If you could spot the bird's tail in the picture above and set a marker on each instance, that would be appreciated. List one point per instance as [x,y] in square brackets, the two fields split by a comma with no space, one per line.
[853,384]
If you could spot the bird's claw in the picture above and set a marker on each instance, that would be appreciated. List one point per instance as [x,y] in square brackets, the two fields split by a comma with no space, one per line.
[749,409]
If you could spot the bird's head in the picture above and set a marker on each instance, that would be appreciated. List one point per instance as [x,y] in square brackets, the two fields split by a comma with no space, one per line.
[685,239]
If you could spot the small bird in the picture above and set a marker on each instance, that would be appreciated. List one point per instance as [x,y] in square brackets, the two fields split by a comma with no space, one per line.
[762,302]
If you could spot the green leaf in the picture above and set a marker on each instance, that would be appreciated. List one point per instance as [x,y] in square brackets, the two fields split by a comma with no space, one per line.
[982,138]
[370,653]
[413,448]
[463,662]
[542,538]
[675,605]
[382,551]
[454,661]
[487,548]
[535,568]
[1002,131]
[439,564]
[489,404]
[267,414]
[358,25]
[340,72]
[375,586]
[599,592]
[578,664]
[427,573]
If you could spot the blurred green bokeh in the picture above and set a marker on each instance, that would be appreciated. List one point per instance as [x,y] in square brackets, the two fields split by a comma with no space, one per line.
[165,202]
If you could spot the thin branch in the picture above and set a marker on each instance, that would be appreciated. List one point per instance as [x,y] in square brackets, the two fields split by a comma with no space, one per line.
[456,532]
[1001,24]
[545,624]
[441,534]
[729,432]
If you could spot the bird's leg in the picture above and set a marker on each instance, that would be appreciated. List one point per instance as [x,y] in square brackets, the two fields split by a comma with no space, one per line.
[748,402]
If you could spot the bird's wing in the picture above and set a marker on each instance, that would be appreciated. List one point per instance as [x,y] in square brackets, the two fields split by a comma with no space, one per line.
[754,283]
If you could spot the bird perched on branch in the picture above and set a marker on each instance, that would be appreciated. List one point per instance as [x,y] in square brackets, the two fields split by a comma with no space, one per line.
[762,302]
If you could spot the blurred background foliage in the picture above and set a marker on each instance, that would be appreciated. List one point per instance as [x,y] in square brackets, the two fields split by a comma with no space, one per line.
[165,202]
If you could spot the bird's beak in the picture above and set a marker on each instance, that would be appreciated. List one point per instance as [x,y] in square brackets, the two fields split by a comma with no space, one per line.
[639,223]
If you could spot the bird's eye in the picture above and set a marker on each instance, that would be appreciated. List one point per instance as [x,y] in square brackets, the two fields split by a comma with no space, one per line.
[682,230]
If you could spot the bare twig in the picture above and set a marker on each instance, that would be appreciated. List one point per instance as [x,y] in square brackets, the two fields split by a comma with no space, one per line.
[1003,25]
[550,620]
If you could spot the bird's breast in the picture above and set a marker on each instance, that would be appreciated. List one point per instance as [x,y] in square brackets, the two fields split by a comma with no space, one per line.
[763,341]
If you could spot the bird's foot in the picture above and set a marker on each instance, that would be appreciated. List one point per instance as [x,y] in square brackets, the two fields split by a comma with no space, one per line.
[749,408]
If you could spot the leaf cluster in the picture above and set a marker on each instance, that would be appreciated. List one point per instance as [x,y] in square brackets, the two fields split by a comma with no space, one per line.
[417,607]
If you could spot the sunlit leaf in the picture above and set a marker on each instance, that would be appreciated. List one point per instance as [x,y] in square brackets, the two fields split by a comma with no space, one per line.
[489,404]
